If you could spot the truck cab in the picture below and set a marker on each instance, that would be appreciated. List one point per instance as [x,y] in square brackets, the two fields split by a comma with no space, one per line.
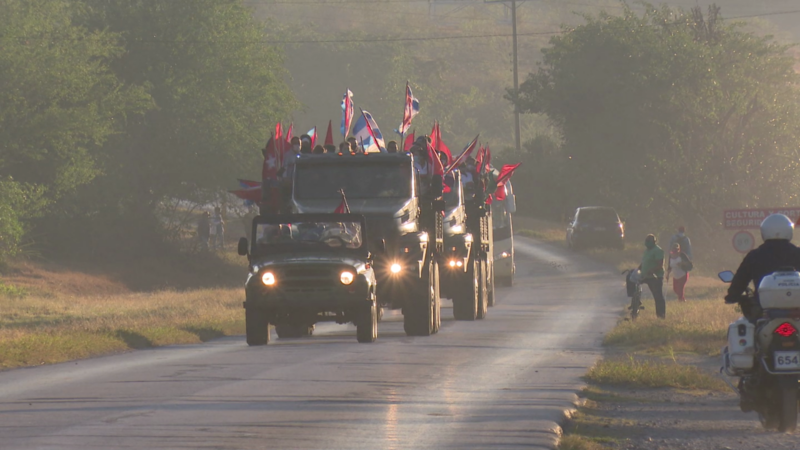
[402,210]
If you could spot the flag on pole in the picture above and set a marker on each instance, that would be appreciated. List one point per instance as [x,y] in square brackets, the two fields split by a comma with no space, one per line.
[250,191]
[278,143]
[435,162]
[329,134]
[440,146]
[409,142]
[411,109]
[361,133]
[287,141]
[488,157]
[374,131]
[312,133]
[464,155]
[348,110]
[505,174]
[479,159]
[343,207]
[269,169]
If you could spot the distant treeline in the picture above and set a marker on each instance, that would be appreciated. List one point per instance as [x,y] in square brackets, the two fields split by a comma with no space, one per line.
[669,116]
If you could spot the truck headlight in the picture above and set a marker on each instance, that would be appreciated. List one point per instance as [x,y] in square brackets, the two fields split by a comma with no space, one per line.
[395,268]
[346,277]
[268,278]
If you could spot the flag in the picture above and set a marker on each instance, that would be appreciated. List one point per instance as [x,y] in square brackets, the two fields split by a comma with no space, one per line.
[411,109]
[440,147]
[271,165]
[250,191]
[244,184]
[409,142]
[312,133]
[374,131]
[435,162]
[343,207]
[488,157]
[479,158]
[506,172]
[329,134]
[278,143]
[287,141]
[464,155]
[348,111]
[361,133]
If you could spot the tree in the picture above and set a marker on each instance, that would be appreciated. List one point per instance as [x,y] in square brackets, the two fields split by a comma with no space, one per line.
[59,103]
[671,112]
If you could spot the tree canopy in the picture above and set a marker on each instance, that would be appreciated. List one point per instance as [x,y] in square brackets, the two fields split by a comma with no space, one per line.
[671,112]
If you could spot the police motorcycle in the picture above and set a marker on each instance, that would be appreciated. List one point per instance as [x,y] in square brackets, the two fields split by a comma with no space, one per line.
[765,355]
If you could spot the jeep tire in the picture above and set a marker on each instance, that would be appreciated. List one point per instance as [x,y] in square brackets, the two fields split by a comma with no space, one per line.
[419,313]
[367,325]
[465,301]
[256,326]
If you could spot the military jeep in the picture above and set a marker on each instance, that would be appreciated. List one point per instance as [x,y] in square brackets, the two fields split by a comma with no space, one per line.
[308,268]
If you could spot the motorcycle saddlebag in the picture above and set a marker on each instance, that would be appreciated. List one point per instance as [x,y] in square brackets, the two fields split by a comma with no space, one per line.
[741,345]
[631,281]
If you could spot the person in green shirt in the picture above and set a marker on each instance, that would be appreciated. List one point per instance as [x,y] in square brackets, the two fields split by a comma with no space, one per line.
[652,269]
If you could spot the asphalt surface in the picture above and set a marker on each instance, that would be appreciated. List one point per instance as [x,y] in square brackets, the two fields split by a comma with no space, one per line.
[501,383]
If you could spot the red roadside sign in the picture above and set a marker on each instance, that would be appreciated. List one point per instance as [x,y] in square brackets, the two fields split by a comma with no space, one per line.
[741,219]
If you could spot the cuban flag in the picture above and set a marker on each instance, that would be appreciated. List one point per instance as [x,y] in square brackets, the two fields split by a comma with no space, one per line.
[348,110]
[374,131]
[361,133]
[465,154]
[411,109]
[312,133]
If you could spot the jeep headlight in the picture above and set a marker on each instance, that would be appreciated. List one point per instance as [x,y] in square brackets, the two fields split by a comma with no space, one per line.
[395,268]
[346,277]
[268,278]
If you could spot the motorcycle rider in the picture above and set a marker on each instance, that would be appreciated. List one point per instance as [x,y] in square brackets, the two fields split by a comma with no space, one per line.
[775,253]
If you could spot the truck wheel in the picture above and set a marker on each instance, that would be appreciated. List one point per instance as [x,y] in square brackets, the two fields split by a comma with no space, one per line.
[437,307]
[465,302]
[367,326]
[419,312]
[256,326]
[483,290]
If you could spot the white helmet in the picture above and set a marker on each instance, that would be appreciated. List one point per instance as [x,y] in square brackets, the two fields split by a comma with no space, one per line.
[777,226]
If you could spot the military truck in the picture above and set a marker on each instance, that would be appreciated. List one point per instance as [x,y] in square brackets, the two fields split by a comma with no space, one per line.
[467,278]
[403,212]
[306,269]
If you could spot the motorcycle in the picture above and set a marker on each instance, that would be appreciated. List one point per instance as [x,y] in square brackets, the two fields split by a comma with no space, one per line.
[763,350]
[633,286]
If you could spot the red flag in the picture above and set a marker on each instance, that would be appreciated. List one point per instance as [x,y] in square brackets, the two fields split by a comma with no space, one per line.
[287,141]
[479,159]
[433,135]
[269,169]
[329,134]
[488,157]
[343,207]
[464,155]
[435,162]
[440,145]
[409,141]
[505,173]
[279,145]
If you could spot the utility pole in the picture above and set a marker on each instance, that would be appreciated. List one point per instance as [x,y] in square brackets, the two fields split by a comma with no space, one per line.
[515,70]
[516,73]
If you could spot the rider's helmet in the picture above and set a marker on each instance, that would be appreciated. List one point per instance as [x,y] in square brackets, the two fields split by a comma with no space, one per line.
[777,226]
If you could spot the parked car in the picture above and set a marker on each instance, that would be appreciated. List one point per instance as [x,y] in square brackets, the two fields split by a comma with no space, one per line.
[596,226]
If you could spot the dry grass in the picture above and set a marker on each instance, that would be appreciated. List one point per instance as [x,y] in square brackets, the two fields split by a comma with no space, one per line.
[633,371]
[697,326]
[576,442]
[48,329]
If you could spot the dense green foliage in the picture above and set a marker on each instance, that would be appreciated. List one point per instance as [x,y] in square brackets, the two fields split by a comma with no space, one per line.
[669,115]
[107,108]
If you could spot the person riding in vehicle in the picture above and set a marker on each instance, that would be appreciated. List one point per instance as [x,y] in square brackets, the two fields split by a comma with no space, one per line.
[777,252]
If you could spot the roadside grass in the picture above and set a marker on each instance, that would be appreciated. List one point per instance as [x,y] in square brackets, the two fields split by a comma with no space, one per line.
[633,371]
[577,442]
[49,329]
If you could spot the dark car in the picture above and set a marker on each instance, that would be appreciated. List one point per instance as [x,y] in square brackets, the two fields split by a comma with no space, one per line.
[595,226]
[308,268]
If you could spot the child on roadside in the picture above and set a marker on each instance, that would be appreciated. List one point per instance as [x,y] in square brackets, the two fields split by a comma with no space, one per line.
[676,267]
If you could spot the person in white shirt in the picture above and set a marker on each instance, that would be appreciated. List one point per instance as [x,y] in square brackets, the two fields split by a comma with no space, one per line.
[676,267]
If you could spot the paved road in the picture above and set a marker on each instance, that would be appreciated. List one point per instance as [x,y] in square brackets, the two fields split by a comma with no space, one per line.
[503,382]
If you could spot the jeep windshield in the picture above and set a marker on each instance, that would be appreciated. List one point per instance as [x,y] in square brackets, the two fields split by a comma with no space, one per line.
[359,180]
[312,236]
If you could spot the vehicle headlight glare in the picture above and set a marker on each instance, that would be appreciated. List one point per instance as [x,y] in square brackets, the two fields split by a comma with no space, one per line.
[395,268]
[452,263]
[268,278]
[459,263]
[346,277]
[504,255]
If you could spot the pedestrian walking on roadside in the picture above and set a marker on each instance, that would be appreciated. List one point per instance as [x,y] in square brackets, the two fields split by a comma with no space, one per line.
[679,268]
[219,228]
[204,229]
[652,269]
[683,240]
